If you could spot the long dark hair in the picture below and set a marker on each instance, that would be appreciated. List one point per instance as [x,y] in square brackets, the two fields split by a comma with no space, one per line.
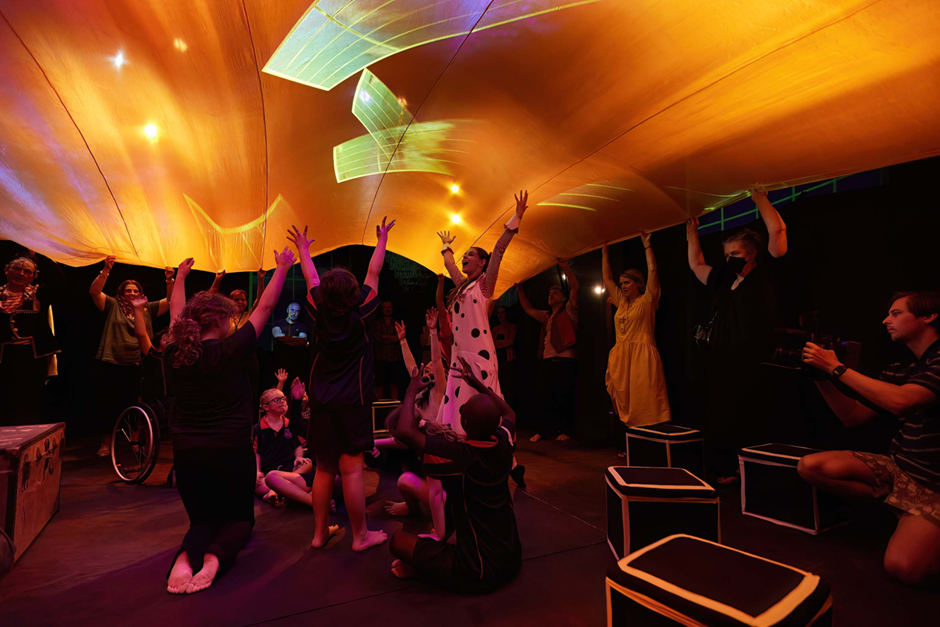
[125,304]
[457,291]
[201,313]
[338,293]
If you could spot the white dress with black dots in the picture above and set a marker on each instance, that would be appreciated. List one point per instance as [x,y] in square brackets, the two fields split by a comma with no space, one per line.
[474,342]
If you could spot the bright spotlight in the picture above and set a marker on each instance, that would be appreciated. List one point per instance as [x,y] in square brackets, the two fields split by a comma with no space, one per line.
[180,45]
[598,289]
[151,131]
[454,188]
[118,60]
[455,219]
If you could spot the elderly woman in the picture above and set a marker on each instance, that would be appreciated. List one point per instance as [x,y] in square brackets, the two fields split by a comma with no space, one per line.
[27,343]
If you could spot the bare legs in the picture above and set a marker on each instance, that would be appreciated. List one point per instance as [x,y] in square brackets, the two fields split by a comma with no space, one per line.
[350,468]
[327,467]
[415,491]
[289,485]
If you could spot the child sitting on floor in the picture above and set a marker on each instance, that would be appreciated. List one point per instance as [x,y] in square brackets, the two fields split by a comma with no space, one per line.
[487,553]
[282,468]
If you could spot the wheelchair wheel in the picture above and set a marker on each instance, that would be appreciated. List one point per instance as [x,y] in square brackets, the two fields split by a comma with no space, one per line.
[135,444]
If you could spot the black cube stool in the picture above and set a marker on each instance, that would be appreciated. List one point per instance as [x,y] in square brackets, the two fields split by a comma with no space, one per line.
[380,411]
[772,490]
[681,580]
[647,504]
[666,445]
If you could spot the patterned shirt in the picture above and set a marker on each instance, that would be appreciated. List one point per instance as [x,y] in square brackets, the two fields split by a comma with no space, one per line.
[916,446]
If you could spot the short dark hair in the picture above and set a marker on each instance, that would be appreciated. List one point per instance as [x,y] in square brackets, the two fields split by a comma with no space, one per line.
[920,303]
[559,289]
[751,240]
[338,293]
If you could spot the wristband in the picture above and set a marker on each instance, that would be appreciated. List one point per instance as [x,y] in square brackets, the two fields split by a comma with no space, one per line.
[513,224]
[445,247]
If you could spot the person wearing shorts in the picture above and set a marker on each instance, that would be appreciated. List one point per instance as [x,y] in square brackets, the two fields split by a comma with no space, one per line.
[908,477]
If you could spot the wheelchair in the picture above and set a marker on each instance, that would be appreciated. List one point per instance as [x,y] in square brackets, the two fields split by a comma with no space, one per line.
[135,439]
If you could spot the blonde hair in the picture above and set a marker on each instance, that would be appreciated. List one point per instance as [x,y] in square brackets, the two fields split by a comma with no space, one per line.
[636,276]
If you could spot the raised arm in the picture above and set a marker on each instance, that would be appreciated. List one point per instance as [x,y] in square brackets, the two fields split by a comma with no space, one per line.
[378,256]
[437,360]
[216,282]
[407,431]
[696,258]
[512,227]
[258,318]
[97,286]
[178,302]
[405,349]
[306,262]
[465,372]
[776,227]
[140,325]
[439,294]
[572,282]
[261,273]
[449,262]
[170,284]
[527,306]
[652,274]
[613,290]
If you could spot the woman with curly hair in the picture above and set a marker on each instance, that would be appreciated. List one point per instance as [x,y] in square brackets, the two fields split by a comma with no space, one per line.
[118,359]
[210,425]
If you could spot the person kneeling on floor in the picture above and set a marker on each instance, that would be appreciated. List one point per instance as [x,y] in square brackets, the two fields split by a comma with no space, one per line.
[908,478]
[487,553]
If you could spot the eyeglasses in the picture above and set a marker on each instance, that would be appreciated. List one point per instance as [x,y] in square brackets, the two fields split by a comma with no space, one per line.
[279,399]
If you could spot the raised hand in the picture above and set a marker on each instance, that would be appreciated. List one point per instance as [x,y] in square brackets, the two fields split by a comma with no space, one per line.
[168,272]
[563,264]
[645,238]
[281,375]
[431,318]
[382,231]
[297,389]
[299,239]
[185,266]
[220,275]
[400,329]
[284,259]
[691,226]
[758,194]
[109,262]
[139,302]
[261,273]
[521,202]
[465,372]
[446,238]
[440,278]
[419,381]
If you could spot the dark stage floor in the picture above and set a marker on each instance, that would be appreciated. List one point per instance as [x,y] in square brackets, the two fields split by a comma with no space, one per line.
[103,558]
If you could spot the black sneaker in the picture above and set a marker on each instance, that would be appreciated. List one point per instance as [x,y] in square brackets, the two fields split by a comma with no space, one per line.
[518,475]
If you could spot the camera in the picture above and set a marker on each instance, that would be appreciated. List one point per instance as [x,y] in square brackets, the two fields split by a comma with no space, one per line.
[788,346]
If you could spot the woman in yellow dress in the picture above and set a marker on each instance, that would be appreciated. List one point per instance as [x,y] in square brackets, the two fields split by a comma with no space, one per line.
[635,379]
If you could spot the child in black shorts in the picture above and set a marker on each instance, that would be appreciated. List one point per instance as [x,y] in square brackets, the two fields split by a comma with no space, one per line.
[487,553]
[283,471]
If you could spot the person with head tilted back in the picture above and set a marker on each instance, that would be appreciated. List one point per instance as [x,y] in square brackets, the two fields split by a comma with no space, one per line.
[210,425]
[468,309]
[635,379]
[342,384]
[908,477]
[118,371]
[746,308]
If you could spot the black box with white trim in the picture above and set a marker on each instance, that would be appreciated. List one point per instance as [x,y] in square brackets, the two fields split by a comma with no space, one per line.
[681,580]
[646,504]
[772,490]
[667,445]
[381,411]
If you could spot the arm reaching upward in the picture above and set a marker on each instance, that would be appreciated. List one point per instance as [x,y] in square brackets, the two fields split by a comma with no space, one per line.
[613,290]
[261,273]
[306,262]
[258,318]
[527,306]
[572,282]
[170,284]
[437,360]
[405,349]
[97,286]
[776,227]
[407,431]
[378,257]
[652,275]
[449,263]
[512,227]
[179,289]
[696,258]
[217,282]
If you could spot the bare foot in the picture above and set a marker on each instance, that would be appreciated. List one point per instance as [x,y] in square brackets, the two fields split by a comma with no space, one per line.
[180,575]
[433,535]
[562,437]
[403,570]
[319,542]
[397,509]
[204,578]
[271,498]
[535,438]
[372,538]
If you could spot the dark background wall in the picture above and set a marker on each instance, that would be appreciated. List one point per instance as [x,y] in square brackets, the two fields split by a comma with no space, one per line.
[848,252]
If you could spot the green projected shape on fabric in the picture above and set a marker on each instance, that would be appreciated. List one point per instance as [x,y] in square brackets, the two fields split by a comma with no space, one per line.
[378,109]
[334,39]
[426,147]
[590,197]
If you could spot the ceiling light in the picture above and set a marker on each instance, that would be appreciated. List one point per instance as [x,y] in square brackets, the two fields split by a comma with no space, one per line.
[454,188]
[118,60]
[151,131]
[455,219]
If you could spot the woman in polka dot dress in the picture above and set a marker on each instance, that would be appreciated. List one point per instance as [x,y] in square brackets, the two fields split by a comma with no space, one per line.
[468,306]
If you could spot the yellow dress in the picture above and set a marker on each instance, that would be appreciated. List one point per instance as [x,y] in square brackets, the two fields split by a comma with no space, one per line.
[635,379]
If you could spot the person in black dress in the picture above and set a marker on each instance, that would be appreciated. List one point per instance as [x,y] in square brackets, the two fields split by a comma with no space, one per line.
[342,385]
[210,425]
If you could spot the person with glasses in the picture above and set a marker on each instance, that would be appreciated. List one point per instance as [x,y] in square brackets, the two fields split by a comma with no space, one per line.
[278,447]
[635,379]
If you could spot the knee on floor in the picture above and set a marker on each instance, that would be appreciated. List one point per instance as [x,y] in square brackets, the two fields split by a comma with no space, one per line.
[908,569]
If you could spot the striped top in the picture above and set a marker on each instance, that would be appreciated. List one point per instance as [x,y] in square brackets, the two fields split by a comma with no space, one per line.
[916,446]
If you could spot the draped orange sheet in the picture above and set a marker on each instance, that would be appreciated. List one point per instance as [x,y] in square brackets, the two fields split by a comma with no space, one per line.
[617,116]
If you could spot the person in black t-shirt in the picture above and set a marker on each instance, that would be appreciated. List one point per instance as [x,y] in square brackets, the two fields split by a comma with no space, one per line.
[278,448]
[746,309]
[488,552]
[210,425]
[908,478]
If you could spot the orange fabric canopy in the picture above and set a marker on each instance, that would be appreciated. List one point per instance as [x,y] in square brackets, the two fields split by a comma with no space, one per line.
[161,129]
